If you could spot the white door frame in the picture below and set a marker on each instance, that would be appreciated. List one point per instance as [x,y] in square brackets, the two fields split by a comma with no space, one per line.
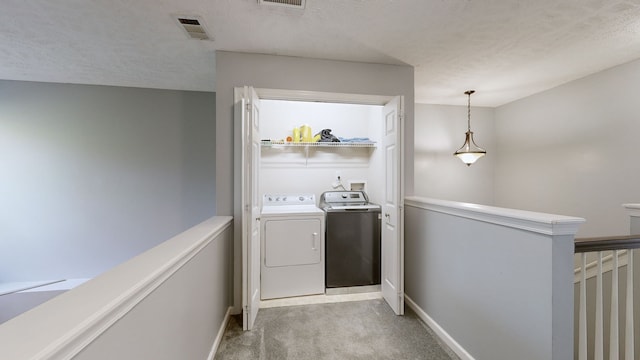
[316,96]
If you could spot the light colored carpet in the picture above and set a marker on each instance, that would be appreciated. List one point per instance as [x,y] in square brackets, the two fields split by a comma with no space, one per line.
[348,330]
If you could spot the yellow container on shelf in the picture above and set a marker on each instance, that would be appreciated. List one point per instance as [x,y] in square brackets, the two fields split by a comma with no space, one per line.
[305,133]
[316,138]
[296,135]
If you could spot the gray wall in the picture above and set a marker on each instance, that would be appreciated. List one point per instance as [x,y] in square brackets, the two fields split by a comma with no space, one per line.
[93,175]
[439,132]
[473,276]
[291,73]
[12,305]
[568,150]
[572,150]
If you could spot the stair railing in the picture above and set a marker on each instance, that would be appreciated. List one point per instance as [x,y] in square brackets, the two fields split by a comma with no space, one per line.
[622,248]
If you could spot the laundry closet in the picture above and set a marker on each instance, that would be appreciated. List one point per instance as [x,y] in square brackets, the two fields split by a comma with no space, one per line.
[316,167]
[284,252]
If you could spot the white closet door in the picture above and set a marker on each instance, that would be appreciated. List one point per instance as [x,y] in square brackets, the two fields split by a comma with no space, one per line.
[250,109]
[393,221]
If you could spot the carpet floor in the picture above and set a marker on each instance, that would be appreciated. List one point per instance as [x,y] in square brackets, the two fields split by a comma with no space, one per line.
[347,330]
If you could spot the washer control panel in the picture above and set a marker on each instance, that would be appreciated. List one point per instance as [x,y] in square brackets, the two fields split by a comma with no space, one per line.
[344,198]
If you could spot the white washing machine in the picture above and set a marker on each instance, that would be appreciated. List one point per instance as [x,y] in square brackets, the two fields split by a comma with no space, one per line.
[292,246]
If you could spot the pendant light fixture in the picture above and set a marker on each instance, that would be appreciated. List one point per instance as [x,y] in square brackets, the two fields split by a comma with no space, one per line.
[469,152]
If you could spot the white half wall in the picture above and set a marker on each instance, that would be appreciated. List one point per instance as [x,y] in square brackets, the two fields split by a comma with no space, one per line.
[170,302]
[497,281]
[439,132]
[633,210]
[573,150]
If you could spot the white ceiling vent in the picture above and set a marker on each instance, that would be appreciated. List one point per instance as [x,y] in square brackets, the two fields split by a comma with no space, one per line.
[193,26]
[296,4]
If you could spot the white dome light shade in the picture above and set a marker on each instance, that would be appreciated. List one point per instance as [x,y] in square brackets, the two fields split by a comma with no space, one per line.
[470,152]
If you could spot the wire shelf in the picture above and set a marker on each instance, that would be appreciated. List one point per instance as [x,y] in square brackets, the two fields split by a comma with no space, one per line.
[268,143]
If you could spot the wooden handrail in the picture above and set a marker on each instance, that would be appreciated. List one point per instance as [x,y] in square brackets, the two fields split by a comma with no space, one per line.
[607,243]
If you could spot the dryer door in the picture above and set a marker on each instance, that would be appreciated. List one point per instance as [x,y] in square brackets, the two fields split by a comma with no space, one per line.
[291,242]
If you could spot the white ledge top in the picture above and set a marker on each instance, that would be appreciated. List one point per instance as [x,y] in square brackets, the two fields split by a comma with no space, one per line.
[548,224]
[632,209]
[66,323]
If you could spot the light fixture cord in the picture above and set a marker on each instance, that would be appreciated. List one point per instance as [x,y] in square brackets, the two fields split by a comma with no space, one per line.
[469,111]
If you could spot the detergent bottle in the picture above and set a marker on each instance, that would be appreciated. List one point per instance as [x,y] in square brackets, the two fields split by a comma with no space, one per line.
[296,135]
[305,133]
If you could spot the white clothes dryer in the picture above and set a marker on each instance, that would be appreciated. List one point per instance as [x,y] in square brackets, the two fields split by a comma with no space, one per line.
[292,246]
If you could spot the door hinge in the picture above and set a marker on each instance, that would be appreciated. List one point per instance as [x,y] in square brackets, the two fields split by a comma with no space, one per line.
[246,309]
[248,106]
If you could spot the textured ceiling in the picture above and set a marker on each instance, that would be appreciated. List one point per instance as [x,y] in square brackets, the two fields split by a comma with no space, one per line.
[505,49]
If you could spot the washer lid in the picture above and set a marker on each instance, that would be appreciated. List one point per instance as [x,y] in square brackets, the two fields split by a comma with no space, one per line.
[348,207]
[346,200]
[344,197]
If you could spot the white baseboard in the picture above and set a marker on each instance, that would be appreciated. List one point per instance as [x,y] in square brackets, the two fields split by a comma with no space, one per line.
[223,327]
[319,299]
[440,332]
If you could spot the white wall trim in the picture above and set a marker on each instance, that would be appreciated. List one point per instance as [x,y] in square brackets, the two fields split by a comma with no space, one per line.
[299,95]
[442,334]
[632,209]
[547,224]
[103,300]
[14,287]
[218,339]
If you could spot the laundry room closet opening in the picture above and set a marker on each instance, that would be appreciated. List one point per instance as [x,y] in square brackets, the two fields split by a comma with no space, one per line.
[313,168]
[367,157]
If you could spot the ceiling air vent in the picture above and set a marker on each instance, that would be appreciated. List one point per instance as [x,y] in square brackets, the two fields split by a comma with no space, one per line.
[296,4]
[194,27]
